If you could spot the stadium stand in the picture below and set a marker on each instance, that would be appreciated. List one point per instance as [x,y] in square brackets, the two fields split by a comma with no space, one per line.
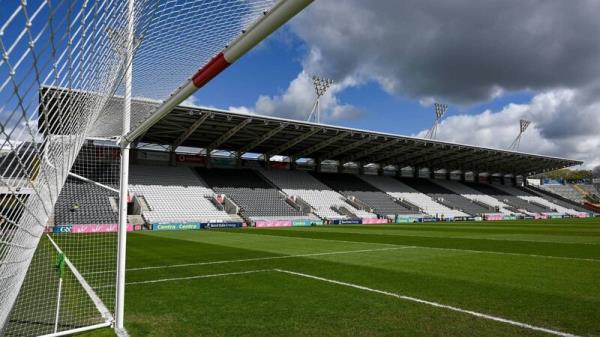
[549,203]
[447,197]
[522,205]
[476,196]
[319,196]
[175,194]
[566,191]
[569,196]
[83,203]
[403,192]
[352,186]
[257,199]
[573,206]
[168,194]
[588,189]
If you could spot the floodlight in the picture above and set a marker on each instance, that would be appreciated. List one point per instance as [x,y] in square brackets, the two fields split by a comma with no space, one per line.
[523,125]
[439,109]
[321,86]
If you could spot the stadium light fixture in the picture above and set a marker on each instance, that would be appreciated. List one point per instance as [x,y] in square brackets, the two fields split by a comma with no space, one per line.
[439,109]
[321,86]
[523,125]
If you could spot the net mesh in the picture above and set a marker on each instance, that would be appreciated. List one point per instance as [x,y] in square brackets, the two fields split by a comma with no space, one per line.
[82,227]
[62,64]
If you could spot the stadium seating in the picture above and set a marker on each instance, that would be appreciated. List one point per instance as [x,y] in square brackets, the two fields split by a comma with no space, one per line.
[400,190]
[476,196]
[256,198]
[591,194]
[83,203]
[175,194]
[504,194]
[351,185]
[447,197]
[591,189]
[566,191]
[181,194]
[568,196]
[553,204]
[320,197]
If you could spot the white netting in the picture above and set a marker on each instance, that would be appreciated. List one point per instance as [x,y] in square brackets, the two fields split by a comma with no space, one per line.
[61,63]
[82,227]
[187,32]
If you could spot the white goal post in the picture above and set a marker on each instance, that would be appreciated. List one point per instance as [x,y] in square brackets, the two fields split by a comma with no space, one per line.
[89,52]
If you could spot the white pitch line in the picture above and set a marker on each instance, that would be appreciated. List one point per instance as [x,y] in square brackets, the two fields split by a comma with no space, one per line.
[514,254]
[317,239]
[199,277]
[356,286]
[259,259]
[464,250]
[457,237]
[434,304]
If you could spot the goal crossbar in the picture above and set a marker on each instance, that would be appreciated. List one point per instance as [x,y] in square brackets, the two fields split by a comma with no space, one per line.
[282,12]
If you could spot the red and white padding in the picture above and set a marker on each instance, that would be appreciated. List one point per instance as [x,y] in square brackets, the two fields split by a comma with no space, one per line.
[282,12]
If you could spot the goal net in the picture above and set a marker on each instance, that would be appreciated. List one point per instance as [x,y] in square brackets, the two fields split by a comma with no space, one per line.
[61,86]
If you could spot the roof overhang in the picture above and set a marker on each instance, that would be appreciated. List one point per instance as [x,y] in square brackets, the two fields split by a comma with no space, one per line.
[216,129]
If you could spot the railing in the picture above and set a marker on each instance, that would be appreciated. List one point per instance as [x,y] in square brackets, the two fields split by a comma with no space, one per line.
[344,211]
[484,205]
[408,205]
[299,204]
[358,204]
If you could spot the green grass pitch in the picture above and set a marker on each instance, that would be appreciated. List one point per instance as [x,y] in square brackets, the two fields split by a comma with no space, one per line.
[349,280]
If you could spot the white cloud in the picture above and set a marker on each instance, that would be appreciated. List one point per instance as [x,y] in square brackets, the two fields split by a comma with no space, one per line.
[298,99]
[462,52]
[191,102]
[552,113]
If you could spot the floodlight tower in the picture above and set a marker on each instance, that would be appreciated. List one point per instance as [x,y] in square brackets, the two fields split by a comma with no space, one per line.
[440,110]
[321,86]
[523,125]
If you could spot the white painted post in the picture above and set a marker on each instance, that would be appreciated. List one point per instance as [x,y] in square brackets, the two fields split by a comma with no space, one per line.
[124,174]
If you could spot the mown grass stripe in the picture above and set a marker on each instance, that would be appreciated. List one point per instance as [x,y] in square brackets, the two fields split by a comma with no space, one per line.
[434,304]
[551,249]
[259,259]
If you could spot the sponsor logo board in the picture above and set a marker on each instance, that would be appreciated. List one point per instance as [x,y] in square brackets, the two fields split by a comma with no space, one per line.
[62,229]
[98,228]
[222,225]
[176,226]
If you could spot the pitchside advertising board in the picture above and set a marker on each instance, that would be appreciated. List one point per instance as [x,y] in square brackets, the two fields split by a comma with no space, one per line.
[463,218]
[91,228]
[347,222]
[299,223]
[194,226]
[176,226]
[222,225]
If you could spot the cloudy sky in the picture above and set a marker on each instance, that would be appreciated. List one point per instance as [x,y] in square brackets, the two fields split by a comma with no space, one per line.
[493,62]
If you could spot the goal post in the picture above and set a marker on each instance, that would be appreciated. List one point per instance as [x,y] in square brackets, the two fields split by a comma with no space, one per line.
[63,67]
[282,12]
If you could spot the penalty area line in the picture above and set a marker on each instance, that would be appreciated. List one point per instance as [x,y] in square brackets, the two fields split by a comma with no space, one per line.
[199,277]
[265,258]
[433,304]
